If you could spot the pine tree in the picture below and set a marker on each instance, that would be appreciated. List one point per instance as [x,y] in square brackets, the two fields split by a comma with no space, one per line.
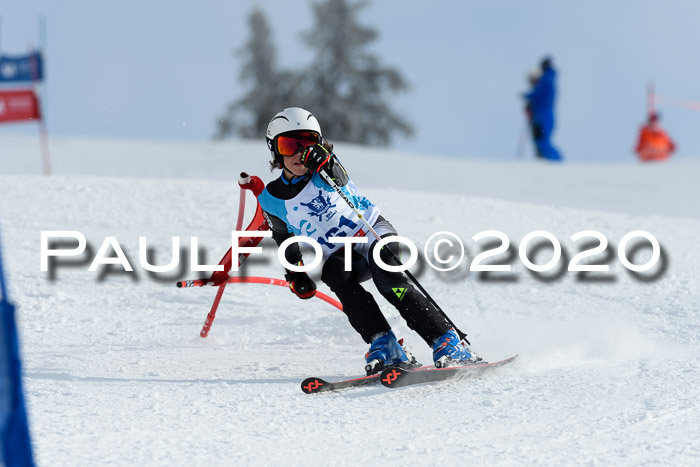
[269,91]
[346,86]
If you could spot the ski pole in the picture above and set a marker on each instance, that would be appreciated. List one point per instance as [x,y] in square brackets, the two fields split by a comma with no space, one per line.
[327,178]
[521,141]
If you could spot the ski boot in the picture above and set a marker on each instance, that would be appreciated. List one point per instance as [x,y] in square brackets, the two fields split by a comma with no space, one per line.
[386,351]
[449,350]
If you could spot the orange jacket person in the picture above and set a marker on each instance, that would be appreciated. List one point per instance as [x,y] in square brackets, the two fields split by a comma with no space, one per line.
[654,144]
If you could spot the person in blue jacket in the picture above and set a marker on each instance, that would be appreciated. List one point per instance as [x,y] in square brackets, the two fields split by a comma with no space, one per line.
[540,102]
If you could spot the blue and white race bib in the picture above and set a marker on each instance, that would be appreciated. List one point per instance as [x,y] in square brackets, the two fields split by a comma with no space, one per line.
[320,213]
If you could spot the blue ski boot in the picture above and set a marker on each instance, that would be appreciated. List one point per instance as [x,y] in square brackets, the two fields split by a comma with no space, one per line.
[386,351]
[449,349]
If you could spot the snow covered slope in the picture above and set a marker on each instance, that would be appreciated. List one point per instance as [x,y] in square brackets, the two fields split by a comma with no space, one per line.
[116,372]
[632,188]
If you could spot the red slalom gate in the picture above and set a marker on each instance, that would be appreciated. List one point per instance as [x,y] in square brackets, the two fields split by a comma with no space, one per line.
[259,280]
[221,278]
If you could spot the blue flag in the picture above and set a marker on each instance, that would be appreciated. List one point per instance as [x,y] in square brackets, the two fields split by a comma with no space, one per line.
[15,446]
[21,69]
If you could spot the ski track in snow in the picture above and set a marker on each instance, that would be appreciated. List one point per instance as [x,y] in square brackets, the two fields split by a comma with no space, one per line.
[115,371]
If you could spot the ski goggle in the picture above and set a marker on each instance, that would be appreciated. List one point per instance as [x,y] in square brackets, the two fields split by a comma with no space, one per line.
[288,145]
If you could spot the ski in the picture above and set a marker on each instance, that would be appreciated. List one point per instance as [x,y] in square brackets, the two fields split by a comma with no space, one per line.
[315,385]
[398,377]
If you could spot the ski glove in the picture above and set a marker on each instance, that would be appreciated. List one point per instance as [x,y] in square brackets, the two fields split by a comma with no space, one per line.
[301,284]
[314,157]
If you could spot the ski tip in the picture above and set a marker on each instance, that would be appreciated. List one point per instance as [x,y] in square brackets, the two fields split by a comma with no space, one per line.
[390,377]
[313,385]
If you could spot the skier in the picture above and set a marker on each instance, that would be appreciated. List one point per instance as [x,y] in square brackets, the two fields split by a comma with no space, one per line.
[300,202]
[540,101]
[654,144]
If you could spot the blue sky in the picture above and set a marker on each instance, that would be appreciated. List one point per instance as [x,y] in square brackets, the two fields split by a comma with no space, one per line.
[165,70]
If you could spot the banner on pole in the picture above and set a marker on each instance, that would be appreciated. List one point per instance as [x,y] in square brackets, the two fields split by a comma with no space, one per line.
[18,105]
[21,69]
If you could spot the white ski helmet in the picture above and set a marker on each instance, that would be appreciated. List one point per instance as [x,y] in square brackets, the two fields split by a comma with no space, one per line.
[290,120]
